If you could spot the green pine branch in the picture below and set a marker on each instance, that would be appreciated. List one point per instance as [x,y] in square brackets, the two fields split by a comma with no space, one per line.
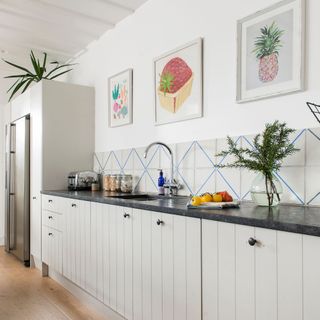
[268,153]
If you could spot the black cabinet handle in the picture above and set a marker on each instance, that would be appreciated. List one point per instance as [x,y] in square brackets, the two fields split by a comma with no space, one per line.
[50,217]
[126,215]
[34,198]
[50,234]
[159,222]
[73,205]
[252,241]
[50,201]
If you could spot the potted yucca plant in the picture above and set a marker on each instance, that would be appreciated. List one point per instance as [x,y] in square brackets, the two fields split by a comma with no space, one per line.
[266,49]
[265,157]
[24,80]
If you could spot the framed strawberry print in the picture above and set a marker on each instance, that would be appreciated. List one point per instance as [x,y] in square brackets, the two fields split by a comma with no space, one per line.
[178,84]
[120,98]
[271,51]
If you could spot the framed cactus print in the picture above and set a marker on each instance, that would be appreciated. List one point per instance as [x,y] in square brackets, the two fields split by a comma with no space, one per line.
[120,98]
[178,84]
[271,51]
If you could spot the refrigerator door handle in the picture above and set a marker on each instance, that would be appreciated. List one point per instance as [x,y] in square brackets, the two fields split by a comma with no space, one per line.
[12,231]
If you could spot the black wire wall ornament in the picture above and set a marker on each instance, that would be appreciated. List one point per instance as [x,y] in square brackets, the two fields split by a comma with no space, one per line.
[315,109]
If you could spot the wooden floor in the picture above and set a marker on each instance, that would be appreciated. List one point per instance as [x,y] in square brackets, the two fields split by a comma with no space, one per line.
[25,295]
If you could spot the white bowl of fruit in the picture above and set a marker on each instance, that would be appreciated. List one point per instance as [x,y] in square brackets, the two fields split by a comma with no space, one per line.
[218,200]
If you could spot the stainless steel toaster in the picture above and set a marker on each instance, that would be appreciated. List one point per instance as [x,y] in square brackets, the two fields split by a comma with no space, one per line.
[82,180]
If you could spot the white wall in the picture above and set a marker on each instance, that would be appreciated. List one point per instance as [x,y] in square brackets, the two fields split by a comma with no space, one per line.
[162,25]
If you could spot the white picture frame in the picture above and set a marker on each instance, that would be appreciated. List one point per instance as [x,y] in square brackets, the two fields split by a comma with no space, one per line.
[120,108]
[185,103]
[269,76]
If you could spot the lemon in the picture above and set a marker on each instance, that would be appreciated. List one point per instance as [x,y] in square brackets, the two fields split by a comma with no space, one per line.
[217,198]
[196,201]
[207,197]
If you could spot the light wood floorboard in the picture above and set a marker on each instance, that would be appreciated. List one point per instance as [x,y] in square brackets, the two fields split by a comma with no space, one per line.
[25,295]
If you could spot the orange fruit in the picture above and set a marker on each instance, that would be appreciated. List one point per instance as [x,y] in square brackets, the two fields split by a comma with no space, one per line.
[217,197]
[196,201]
[207,197]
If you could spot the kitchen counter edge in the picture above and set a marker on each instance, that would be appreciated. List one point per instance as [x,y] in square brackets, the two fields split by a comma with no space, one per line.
[288,218]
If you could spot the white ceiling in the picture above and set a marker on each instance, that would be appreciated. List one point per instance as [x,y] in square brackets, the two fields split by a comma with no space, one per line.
[62,28]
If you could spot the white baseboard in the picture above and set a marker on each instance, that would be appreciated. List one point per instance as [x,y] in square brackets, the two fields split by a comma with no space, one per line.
[1,241]
[85,298]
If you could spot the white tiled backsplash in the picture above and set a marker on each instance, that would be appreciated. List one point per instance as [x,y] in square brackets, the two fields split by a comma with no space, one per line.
[196,168]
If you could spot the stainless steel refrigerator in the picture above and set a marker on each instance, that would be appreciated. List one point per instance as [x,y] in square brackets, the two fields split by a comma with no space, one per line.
[17,223]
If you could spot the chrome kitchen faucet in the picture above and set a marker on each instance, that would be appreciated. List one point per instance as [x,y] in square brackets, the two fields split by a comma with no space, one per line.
[172,184]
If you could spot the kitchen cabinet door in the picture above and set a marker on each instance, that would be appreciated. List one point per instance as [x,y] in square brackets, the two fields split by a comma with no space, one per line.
[311,277]
[35,225]
[124,261]
[45,245]
[52,248]
[111,256]
[76,242]
[261,281]
[95,284]
[146,266]
[266,274]
[35,175]
[176,267]
[128,217]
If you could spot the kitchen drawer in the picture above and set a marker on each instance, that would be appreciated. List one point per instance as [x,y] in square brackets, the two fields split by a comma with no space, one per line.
[51,203]
[52,220]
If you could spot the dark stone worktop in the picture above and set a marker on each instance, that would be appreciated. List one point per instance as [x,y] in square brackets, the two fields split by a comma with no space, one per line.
[297,219]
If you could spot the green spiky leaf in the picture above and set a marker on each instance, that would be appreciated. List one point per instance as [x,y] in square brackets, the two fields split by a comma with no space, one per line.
[39,72]
[166,82]
[269,41]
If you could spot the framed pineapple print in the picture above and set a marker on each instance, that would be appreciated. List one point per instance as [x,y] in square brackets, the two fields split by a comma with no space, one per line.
[120,98]
[178,84]
[271,51]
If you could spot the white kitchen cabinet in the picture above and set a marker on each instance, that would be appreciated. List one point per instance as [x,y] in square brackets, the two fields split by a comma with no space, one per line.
[261,282]
[149,270]
[61,140]
[20,106]
[170,267]
[111,256]
[52,248]
[311,277]
[77,266]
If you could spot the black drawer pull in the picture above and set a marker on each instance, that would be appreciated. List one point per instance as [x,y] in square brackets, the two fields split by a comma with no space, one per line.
[50,217]
[73,205]
[252,241]
[34,198]
[159,222]
[126,215]
[50,201]
[50,234]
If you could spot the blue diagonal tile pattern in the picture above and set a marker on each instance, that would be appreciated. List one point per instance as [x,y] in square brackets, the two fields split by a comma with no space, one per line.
[198,168]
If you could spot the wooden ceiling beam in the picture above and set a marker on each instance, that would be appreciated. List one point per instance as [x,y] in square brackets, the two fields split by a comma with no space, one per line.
[13,47]
[12,20]
[37,19]
[77,13]
[118,5]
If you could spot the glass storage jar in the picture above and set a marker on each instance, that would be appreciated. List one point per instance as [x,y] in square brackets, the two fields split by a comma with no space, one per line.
[106,182]
[113,182]
[126,183]
[118,182]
